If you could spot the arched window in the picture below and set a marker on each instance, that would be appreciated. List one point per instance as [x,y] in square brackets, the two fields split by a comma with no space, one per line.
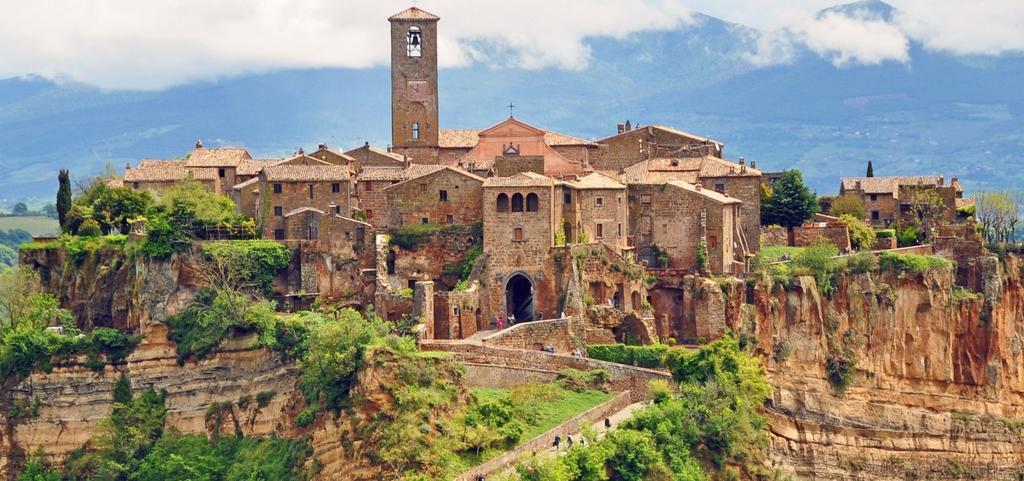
[502,203]
[517,202]
[415,130]
[532,203]
[414,42]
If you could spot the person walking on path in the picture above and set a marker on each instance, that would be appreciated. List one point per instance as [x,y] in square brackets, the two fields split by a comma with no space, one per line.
[501,323]
[558,442]
[568,442]
[607,423]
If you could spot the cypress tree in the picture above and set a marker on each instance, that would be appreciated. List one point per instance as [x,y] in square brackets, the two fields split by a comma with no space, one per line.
[63,197]
[791,202]
[871,169]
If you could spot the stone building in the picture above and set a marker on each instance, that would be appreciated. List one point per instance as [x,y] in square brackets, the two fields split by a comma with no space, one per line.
[296,183]
[414,103]
[222,162]
[153,174]
[331,156]
[371,182]
[723,176]
[631,145]
[371,156]
[596,205]
[888,200]
[674,217]
[513,142]
[444,196]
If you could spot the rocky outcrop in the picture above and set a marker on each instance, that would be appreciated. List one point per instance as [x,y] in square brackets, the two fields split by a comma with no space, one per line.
[936,392]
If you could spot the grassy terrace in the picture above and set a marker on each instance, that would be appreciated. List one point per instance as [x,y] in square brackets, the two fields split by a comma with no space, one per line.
[548,414]
[774,253]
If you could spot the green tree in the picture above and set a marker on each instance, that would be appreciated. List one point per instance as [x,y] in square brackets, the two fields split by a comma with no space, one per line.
[791,202]
[862,236]
[871,170]
[17,286]
[113,208]
[8,256]
[633,456]
[848,204]
[63,197]
[20,209]
[49,210]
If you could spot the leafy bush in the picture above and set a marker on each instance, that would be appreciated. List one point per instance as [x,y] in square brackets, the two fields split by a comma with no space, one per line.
[216,314]
[862,236]
[817,260]
[851,205]
[410,236]
[579,381]
[908,236]
[900,263]
[861,263]
[89,228]
[840,368]
[254,262]
[885,233]
[651,357]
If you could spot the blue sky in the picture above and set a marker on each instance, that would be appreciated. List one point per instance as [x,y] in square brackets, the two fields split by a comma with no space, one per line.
[154,44]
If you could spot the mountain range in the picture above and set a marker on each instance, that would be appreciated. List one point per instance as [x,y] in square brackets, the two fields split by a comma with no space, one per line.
[938,113]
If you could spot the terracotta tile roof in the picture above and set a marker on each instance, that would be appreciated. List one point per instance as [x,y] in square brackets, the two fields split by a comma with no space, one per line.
[253,166]
[666,129]
[151,170]
[305,173]
[396,173]
[964,202]
[426,172]
[706,193]
[216,157]
[300,210]
[887,185]
[715,167]
[467,139]
[243,185]
[413,13]
[524,179]
[596,180]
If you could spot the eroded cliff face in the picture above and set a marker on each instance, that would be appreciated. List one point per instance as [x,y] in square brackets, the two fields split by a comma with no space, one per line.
[937,388]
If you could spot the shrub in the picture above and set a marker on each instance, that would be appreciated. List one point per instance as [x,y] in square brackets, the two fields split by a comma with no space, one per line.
[89,228]
[213,316]
[900,263]
[908,236]
[464,268]
[885,233]
[848,205]
[579,381]
[861,263]
[254,262]
[817,260]
[410,236]
[840,368]
[862,236]
[643,356]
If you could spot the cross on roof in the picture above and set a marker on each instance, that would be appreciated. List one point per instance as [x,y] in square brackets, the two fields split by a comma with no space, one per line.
[510,108]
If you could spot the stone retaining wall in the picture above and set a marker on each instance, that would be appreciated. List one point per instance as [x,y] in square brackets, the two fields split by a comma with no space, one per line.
[544,441]
[503,377]
[534,335]
[623,377]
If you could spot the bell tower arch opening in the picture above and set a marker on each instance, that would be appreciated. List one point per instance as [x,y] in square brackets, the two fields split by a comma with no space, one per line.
[519,298]
[414,104]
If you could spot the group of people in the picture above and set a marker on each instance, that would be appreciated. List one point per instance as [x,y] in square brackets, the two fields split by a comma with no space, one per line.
[501,321]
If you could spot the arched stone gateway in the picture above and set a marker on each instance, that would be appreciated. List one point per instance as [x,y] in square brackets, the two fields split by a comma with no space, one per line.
[519,292]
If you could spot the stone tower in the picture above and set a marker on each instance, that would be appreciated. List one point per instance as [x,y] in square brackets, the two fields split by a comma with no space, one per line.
[414,79]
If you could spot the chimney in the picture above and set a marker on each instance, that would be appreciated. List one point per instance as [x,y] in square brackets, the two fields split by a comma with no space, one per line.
[742,160]
[858,185]
[753,164]
[199,143]
[366,144]
[322,147]
[622,128]
[127,166]
[300,152]
[942,180]
[697,186]
[628,126]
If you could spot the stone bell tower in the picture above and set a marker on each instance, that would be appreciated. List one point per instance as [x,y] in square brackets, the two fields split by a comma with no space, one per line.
[414,79]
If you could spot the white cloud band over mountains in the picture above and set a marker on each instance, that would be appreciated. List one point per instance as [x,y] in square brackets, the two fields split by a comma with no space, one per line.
[154,44]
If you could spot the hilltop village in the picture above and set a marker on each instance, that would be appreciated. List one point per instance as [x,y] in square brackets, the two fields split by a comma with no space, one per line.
[412,311]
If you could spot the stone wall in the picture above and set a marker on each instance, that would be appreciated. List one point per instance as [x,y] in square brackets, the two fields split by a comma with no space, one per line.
[746,188]
[623,378]
[838,234]
[775,236]
[534,335]
[445,197]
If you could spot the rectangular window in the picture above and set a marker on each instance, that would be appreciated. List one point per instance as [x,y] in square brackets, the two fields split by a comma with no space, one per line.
[360,234]
[720,187]
[278,211]
[335,187]
[277,188]
[425,220]
[567,196]
[599,201]
[712,242]
[517,233]
[279,234]
[311,191]
[619,199]
[423,187]
[135,185]
[449,219]
[443,195]
[368,187]
[455,311]
[220,173]
[875,215]
[620,230]
[600,231]
[874,197]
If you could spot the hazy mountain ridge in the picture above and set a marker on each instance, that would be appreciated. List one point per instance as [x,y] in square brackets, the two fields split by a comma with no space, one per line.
[939,113]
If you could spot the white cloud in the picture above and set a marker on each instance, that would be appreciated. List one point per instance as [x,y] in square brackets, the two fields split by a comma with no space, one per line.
[153,44]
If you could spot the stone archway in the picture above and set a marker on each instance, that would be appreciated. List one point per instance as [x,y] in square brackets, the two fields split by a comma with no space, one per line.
[519,300]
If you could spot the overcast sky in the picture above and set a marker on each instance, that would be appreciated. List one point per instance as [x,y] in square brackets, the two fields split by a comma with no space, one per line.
[152,44]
